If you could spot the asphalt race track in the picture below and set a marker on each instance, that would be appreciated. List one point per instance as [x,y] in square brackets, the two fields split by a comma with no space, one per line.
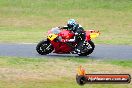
[100,52]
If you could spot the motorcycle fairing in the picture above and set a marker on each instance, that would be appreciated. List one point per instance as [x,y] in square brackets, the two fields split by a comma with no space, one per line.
[52,36]
[61,47]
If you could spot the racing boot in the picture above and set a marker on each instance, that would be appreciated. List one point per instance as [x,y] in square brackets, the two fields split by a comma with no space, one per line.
[78,51]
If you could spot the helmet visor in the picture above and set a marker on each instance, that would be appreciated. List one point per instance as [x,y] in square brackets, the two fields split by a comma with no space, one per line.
[70,26]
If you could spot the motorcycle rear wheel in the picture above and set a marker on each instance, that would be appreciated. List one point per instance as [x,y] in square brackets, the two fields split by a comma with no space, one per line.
[89,51]
[41,47]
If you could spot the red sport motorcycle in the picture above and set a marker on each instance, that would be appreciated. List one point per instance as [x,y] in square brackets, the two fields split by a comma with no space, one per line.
[53,43]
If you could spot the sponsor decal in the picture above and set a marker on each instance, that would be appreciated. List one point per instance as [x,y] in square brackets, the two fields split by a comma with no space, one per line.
[83,78]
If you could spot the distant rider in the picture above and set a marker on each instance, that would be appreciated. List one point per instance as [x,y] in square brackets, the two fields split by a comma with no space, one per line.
[79,34]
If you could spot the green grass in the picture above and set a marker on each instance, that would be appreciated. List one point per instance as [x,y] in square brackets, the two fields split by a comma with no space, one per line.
[54,72]
[124,63]
[29,20]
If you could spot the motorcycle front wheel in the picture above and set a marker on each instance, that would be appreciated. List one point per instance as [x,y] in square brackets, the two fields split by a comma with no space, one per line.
[44,47]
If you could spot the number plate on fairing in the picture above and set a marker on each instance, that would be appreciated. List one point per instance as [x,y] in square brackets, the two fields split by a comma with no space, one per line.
[52,36]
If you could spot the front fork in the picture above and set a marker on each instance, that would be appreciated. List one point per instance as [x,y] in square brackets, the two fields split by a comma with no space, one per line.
[48,47]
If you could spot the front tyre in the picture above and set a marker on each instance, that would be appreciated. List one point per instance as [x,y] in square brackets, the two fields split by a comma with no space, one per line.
[88,51]
[44,47]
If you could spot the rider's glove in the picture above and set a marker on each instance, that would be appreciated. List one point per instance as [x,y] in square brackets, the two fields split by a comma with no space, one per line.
[64,40]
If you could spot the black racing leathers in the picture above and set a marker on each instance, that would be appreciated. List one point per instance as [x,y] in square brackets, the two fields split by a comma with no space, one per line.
[79,35]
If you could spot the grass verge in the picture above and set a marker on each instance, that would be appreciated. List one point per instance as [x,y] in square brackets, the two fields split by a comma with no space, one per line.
[123,63]
[27,21]
[53,72]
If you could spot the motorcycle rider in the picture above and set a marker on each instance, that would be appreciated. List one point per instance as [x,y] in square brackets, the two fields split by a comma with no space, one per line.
[79,34]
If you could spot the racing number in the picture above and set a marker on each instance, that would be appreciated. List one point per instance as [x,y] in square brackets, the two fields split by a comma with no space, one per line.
[50,36]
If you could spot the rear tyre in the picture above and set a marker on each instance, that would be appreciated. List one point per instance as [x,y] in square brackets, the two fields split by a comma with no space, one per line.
[44,47]
[88,51]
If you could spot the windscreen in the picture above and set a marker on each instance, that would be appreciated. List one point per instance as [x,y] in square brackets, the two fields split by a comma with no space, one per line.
[55,30]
